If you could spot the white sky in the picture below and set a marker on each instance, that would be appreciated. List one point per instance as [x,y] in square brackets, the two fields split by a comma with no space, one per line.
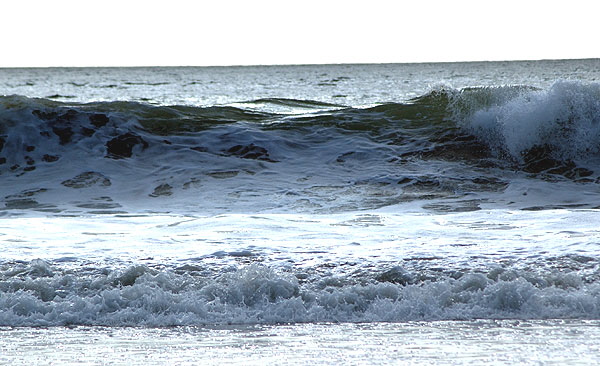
[232,32]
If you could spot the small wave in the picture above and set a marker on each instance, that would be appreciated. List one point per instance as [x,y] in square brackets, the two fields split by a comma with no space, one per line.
[59,96]
[297,103]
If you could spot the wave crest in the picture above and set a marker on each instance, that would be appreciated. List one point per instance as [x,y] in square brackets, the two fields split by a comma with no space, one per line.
[564,119]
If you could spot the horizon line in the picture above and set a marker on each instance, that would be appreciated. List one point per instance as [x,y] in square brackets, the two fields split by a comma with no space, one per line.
[301,64]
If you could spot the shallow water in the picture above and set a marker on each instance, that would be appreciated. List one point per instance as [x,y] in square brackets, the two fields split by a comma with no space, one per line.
[509,342]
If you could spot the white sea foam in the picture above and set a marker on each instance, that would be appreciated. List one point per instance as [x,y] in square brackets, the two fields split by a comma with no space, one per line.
[565,117]
[253,294]
[257,269]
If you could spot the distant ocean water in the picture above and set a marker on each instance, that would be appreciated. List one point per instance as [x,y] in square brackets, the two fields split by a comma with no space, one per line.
[460,196]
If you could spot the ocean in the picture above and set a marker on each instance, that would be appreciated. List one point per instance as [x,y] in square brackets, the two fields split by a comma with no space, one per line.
[443,213]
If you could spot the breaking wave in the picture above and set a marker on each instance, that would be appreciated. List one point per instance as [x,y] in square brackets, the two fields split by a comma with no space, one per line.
[38,294]
[564,119]
[509,121]
[549,134]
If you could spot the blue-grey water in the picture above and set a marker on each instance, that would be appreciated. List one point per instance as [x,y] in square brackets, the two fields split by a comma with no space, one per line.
[358,205]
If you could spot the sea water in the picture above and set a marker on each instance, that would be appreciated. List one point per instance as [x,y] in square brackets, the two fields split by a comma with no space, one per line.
[358,214]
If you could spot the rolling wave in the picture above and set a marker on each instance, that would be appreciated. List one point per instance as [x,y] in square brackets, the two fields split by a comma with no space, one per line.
[446,143]
[549,130]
